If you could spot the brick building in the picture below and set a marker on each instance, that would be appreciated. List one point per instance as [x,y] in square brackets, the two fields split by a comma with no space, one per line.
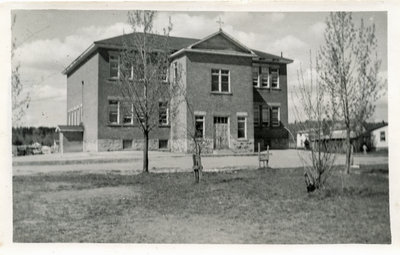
[239,98]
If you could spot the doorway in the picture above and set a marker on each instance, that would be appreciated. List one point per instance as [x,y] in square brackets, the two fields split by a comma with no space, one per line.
[221,133]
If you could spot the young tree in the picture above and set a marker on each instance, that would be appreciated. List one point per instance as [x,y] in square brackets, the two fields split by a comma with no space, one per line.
[143,83]
[349,67]
[313,117]
[20,99]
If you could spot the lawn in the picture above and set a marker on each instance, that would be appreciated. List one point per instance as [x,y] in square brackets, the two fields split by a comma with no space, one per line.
[262,206]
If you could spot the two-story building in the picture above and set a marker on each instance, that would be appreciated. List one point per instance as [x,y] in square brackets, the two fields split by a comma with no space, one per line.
[238,98]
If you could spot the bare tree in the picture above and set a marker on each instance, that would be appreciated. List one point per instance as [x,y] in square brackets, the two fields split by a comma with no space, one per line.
[349,67]
[20,99]
[313,116]
[143,82]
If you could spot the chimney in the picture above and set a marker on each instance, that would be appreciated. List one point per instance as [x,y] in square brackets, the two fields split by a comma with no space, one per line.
[281,54]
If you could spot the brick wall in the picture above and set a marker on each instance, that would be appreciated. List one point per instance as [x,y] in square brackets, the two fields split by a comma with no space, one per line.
[238,101]
[111,136]
[275,137]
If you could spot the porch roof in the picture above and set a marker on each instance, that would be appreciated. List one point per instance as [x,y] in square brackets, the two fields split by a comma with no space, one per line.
[69,128]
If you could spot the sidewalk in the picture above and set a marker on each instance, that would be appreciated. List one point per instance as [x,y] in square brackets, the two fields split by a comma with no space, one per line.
[131,162]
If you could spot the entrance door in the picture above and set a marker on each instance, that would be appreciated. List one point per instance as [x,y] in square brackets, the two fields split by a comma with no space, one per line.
[221,133]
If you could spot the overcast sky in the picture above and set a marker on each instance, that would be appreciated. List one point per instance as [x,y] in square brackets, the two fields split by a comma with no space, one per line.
[47,41]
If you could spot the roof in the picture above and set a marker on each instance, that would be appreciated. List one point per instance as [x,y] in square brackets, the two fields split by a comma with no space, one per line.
[67,128]
[175,44]
[268,56]
[369,127]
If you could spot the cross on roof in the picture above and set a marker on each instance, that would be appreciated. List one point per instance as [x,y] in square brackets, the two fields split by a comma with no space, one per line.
[220,22]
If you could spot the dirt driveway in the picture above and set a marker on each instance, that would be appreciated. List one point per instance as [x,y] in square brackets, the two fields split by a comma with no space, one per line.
[164,162]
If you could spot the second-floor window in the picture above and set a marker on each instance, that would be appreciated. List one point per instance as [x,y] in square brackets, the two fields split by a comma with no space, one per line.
[220,80]
[114,66]
[274,73]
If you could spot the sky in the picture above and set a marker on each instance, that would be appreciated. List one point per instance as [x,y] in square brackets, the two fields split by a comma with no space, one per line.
[49,40]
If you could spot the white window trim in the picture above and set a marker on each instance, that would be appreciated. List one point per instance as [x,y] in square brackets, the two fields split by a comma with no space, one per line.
[167,113]
[220,80]
[245,126]
[118,65]
[204,125]
[278,79]
[279,116]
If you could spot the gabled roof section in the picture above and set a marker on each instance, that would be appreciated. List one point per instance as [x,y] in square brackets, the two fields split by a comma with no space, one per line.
[220,41]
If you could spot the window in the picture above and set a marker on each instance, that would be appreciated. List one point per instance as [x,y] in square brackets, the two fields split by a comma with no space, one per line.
[241,127]
[255,75]
[127,70]
[261,76]
[114,66]
[256,115]
[265,115]
[163,113]
[383,136]
[275,118]
[113,111]
[199,126]
[274,72]
[220,80]
[128,114]
[163,144]
[264,76]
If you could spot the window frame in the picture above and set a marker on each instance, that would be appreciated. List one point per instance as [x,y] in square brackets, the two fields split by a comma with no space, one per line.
[110,56]
[213,71]
[384,136]
[244,121]
[118,112]
[268,117]
[278,116]
[203,120]
[126,114]
[277,78]
[166,113]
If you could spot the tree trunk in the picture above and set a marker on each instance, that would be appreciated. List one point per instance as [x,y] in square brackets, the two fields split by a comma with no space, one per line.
[146,152]
[348,151]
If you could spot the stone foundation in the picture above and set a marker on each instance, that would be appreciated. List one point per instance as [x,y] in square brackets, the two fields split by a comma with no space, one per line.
[117,144]
[242,146]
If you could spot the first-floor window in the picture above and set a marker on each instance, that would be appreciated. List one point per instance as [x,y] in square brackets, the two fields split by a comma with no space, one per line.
[199,126]
[275,116]
[383,136]
[241,127]
[113,111]
[265,115]
[256,115]
[163,113]
[128,114]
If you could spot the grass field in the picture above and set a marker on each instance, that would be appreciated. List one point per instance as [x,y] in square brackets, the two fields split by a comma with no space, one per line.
[262,206]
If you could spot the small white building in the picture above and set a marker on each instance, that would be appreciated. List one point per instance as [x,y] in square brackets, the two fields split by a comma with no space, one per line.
[379,138]
[301,137]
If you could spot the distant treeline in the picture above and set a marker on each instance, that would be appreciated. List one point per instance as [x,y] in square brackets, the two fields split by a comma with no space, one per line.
[30,135]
